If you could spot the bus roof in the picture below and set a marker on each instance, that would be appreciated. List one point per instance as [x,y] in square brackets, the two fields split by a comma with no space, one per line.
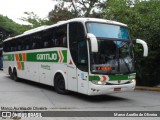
[83,20]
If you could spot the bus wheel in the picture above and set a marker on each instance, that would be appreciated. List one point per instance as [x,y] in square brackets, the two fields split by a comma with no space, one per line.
[10,73]
[15,75]
[60,84]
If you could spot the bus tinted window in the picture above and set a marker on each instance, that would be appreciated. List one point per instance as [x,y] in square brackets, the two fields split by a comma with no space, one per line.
[60,38]
[53,37]
[47,38]
[36,41]
[78,45]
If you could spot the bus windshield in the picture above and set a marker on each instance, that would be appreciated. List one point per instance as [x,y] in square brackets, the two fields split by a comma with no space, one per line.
[103,30]
[113,57]
[115,53]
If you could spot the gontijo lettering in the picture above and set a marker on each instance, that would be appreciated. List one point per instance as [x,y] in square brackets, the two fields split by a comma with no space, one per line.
[47,56]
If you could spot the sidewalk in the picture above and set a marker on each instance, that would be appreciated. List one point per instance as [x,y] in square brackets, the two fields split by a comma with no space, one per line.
[156,88]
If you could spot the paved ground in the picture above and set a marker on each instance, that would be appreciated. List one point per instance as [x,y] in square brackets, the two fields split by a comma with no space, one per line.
[30,94]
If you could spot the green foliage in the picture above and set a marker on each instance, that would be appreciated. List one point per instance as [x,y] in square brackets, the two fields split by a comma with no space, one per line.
[67,9]
[9,28]
[143,19]
[34,20]
[60,13]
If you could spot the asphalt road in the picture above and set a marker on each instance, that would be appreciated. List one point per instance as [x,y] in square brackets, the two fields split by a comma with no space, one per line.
[29,94]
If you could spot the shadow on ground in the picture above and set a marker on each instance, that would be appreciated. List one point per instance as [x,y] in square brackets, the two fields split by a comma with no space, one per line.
[99,98]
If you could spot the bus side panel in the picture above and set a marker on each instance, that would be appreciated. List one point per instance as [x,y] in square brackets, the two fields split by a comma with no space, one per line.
[8,62]
[6,65]
[45,72]
[82,81]
[31,71]
[72,81]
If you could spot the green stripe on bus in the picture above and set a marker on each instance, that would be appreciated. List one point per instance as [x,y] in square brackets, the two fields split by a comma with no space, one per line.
[49,56]
[8,57]
[20,57]
[118,77]
[22,64]
[64,52]
[112,77]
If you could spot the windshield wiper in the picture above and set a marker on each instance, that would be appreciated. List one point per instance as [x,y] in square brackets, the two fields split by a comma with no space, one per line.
[126,65]
[118,54]
[117,57]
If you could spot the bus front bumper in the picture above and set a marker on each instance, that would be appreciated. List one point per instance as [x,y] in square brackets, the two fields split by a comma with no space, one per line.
[108,89]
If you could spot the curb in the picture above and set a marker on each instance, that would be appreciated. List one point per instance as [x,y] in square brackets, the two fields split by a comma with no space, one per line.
[147,88]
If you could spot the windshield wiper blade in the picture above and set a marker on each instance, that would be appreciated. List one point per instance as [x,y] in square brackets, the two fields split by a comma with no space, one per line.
[126,65]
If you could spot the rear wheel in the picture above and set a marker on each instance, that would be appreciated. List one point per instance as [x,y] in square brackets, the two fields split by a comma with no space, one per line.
[59,84]
[15,77]
[10,73]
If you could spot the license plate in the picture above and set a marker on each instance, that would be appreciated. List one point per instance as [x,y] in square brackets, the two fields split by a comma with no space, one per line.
[117,89]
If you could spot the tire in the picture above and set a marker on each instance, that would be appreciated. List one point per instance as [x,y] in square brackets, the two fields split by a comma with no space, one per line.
[10,73]
[15,77]
[59,84]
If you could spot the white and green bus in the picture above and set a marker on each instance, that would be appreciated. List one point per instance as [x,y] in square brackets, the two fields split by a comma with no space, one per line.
[85,55]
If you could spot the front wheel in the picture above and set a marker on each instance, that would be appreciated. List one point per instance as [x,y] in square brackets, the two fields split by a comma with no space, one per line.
[60,85]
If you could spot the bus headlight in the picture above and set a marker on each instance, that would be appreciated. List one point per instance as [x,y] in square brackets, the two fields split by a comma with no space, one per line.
[133,80]
[98,82]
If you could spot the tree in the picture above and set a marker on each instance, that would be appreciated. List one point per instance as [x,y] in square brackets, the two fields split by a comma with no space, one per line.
[143,19]
[9,28]
[67,9]
[34,20]
[60,13]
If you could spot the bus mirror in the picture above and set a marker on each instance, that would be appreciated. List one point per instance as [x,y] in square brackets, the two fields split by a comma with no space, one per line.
[145,47]
[93,41]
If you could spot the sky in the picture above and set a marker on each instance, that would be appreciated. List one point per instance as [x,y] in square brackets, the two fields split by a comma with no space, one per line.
[15,9]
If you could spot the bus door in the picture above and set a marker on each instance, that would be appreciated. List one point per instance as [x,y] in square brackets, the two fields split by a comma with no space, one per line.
[78,58]
[82,67]
[72,81]
[78,68]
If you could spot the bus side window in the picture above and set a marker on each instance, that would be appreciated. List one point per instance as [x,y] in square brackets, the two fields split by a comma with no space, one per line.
[13,45]
[19,44]
[76,35]
[82,53]
[53,40]
[82,56]
[34,41]
[64,41]
[6,47]
[45,44]
[61,36]
[47,38]
[33,45]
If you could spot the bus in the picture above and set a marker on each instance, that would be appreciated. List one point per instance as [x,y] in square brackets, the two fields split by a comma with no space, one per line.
[1,63]
[90,56]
